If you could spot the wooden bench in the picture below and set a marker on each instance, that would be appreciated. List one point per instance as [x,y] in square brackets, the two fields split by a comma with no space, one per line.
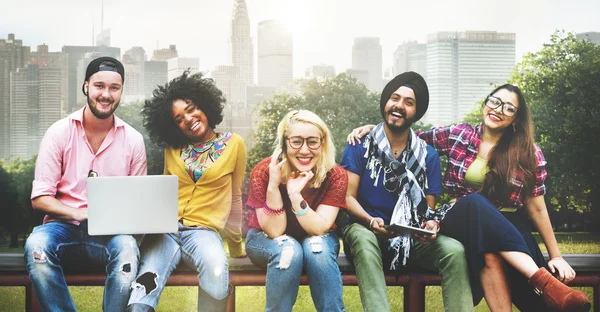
[243,273]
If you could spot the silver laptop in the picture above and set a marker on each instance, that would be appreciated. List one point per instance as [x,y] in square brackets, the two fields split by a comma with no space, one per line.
[132,205]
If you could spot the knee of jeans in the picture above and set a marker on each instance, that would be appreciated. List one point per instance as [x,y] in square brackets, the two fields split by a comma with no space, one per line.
[289,253]
[125,252]
[144,285]
[36,249]
[452,252]
[318,251]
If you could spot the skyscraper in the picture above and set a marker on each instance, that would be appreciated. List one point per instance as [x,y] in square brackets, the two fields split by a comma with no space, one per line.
[165,54]
[367,56]
[228,79]
[134,61]
[36,99]
[242,49]
[275,54]
[410,56]
[462,67]
[13,55]
[593,36]
[155,74]
[177,65]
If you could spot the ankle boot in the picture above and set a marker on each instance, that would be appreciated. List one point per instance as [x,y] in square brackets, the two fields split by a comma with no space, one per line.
[556,294]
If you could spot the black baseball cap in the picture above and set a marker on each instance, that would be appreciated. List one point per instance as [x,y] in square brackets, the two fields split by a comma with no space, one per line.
[96,66]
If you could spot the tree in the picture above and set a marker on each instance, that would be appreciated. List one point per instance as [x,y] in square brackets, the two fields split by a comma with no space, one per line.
[561,84]
[20,214]
[8,201]
[130,113]
[342,102]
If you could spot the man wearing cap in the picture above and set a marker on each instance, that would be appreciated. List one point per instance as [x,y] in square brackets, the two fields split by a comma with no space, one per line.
[90,142]
[393,178]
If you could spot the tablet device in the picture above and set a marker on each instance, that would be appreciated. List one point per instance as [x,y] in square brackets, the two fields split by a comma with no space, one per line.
[405,229]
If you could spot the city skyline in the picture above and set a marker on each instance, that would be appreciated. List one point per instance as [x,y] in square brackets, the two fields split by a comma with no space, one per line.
[323,31]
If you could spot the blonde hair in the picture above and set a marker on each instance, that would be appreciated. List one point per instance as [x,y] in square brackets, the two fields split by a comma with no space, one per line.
[325,161]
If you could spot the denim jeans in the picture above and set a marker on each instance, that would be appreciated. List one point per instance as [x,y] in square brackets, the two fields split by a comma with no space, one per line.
[198,248]
[444,255]
[284,258]
[55,245]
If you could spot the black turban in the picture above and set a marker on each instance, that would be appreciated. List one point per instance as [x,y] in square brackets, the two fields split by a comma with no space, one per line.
[413,81]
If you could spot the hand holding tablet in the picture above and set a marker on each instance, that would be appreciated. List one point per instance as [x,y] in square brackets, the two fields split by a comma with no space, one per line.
[405,229]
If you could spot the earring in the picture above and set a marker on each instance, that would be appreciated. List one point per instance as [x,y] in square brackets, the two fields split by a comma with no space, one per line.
[514,128]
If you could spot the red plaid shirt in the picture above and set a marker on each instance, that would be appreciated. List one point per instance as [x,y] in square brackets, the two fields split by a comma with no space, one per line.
[461,144]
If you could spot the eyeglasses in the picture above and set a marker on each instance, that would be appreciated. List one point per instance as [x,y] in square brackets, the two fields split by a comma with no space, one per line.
[313,143]
[397,168]
[508,109]
[92,174]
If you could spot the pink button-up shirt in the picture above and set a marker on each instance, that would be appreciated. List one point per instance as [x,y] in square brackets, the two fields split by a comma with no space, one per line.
[66,157]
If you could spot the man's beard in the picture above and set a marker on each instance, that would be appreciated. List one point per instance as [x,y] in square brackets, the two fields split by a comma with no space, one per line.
[395,128]
[97,113]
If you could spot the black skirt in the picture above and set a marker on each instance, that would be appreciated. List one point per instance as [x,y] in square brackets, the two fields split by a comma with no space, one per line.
[482,228]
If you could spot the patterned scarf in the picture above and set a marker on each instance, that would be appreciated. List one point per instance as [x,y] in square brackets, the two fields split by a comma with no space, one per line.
[406,178]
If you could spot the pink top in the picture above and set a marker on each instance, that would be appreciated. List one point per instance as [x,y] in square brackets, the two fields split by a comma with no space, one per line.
[65,159]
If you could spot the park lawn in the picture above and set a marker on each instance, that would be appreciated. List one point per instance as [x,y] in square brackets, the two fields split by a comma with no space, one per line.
[252,298]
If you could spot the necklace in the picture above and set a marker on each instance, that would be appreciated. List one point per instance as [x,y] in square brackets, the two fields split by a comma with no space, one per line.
[204,146]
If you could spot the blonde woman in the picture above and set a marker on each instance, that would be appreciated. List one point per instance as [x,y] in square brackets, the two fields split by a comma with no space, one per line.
[295,196]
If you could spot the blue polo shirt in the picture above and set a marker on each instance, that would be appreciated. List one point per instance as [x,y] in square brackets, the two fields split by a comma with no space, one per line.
[377,201]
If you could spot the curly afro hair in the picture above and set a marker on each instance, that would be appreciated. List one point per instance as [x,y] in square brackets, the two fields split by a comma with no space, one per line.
[157,115]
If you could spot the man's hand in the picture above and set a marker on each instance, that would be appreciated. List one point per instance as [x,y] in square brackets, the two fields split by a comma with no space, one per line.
[80,214]
[377,226]
[430,225]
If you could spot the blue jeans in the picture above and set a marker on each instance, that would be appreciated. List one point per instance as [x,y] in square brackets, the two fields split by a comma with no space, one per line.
[284,257]
[55,245]
[198,248]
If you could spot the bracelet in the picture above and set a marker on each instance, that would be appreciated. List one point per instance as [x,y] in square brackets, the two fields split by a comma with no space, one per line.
[301,212]
[272,212]
[371,223]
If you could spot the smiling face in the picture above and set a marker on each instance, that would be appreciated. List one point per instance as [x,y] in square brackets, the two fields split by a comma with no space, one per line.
[494,118]
[400,110]
[192,121]
[303,158]
[104,90]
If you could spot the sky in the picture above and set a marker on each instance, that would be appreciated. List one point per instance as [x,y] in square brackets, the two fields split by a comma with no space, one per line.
[324,30]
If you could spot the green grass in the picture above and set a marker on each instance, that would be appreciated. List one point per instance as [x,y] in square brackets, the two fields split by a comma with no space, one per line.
[181,299]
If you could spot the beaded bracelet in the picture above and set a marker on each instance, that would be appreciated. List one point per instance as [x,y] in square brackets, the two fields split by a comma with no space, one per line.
[272,212]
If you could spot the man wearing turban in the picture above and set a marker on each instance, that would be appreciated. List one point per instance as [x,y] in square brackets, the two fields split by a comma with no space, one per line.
[393,178]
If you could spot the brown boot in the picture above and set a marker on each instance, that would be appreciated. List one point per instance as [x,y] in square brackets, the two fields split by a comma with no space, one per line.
[558,295]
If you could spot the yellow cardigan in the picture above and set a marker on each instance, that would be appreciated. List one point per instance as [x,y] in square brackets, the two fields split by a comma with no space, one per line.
[209,201]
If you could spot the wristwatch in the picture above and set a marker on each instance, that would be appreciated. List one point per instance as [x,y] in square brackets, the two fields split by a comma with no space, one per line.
[303,204]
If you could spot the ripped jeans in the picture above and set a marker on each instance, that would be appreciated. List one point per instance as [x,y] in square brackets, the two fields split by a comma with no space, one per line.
[284,258]
[199,248]
[57,245]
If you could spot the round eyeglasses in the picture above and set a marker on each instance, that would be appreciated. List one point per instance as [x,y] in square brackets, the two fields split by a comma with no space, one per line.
[313,143]
[508,109]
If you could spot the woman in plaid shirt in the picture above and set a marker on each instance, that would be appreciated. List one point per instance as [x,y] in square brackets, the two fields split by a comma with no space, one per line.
[495,176]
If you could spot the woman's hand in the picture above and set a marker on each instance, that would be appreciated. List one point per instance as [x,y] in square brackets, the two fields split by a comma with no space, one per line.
[297,182]
[357,134]
[275,168]
[561,269]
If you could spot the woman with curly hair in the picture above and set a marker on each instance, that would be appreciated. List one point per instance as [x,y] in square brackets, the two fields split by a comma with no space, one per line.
[210,165]
[295,196]
[495,176]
